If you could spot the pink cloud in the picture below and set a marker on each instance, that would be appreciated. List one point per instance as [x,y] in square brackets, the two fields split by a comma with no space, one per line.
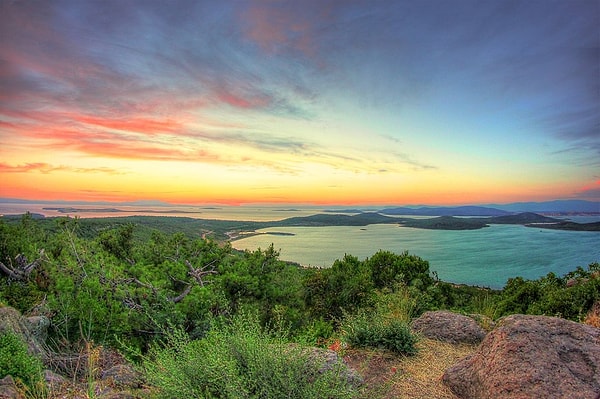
[245,102]
[590,191]
[276,28]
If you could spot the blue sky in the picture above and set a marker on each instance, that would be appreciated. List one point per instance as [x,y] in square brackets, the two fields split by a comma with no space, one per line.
[378,102]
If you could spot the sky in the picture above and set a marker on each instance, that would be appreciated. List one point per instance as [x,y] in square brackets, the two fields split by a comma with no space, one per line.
[439,102]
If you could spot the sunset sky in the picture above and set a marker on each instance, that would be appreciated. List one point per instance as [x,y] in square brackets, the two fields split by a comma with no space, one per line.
[321,102]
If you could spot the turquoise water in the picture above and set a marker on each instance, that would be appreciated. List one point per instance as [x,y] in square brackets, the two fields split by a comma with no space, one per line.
[485,257]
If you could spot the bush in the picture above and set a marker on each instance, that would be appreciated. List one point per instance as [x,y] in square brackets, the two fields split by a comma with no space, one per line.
[16,362]
[363,330]
[316,333]
[240,360]
[571,296]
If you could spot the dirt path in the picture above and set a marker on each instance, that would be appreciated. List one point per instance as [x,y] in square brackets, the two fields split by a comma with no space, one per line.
[389,376]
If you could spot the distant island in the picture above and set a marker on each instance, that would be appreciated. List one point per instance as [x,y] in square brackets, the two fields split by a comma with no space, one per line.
[527,219]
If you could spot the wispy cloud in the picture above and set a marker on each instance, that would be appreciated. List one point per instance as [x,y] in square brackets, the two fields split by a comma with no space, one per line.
[590,192]
[43,167]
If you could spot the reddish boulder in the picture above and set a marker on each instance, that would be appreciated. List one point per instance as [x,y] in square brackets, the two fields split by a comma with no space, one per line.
[448,327]
[531,357]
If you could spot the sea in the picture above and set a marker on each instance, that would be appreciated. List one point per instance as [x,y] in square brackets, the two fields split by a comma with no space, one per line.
[486,257]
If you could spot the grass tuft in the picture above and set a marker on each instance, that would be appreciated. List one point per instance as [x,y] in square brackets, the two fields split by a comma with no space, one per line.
[593,316]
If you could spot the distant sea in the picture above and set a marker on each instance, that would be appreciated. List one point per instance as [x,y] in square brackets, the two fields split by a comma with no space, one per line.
[485,257]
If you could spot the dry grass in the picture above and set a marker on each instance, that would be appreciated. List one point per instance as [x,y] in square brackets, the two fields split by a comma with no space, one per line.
[386,375]
[389,376]
[593,316]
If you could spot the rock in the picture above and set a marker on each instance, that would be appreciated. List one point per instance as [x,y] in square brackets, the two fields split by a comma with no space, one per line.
[328,360]
[448,327]
[38,327]
[111,393]
[12,321]
[54,380]
[123,376]
[8,388]
[531,357]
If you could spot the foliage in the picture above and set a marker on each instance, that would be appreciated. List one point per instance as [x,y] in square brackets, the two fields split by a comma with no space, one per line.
[388,269]
[571,296]
[16,362]
[240,360]
[124,281]
[346,285]
[23,238]
[350,284]
[316,333]
[260,279]
[375,331]
[401,303]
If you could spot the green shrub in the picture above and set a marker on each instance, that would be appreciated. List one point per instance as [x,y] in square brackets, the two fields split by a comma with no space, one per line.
[240,360]
[16,362]
[400,303]
[375,331]
[316,333]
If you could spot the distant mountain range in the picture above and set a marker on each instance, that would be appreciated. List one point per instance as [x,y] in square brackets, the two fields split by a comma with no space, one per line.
[446,211]
[558,206]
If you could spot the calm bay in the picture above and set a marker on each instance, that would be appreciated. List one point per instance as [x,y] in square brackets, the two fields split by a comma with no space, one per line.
[485,257]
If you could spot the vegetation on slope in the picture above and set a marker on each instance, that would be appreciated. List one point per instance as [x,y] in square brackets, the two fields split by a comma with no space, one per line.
[129,285]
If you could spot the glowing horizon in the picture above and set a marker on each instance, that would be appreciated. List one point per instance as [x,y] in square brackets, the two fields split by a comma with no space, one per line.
[438,103]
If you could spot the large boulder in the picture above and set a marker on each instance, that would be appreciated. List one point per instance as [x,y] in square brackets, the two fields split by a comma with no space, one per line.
[448,327]
[531,357]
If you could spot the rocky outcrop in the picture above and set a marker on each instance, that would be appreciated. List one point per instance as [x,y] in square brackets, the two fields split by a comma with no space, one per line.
[448,327]
[531,357]
[32,330]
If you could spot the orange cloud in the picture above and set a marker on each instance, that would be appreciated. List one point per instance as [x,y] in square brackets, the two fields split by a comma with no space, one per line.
[27,167]
[141,125]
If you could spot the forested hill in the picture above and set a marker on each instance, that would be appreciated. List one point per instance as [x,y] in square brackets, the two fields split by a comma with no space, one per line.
[527,219]
[322,219]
